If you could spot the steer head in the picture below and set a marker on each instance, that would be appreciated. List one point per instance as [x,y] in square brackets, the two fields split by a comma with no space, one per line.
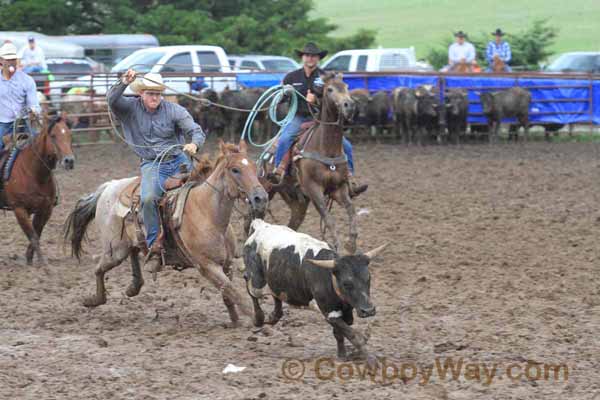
[428,100]
[352,280]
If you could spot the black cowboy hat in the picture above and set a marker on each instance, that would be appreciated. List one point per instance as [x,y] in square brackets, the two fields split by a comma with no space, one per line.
[498,32]
[460,34]
[311,48]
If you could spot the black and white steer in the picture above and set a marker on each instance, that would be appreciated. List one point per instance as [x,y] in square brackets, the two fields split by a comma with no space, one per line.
[299,268]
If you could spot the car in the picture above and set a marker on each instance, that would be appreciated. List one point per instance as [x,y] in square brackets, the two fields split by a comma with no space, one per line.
[251,63]
[168,60]
[579,61]
[375,60]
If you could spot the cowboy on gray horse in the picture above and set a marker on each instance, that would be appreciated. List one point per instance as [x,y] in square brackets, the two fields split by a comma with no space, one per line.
[155,130]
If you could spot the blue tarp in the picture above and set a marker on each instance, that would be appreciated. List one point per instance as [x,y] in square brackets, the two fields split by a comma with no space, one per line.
[560,101]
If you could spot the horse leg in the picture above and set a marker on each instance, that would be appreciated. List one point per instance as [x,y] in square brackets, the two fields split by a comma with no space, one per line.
[233,315]
[23,219]
[217,277]
[137,280]
[315,192]
[298,204]
[106,263]
[343,198]
[39,221]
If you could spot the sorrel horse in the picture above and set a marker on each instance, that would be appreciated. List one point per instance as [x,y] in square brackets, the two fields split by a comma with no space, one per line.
[321,169]
[204,231]
[31,188]
[498,65]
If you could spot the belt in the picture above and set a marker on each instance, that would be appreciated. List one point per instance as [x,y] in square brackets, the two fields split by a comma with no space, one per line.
[169,157]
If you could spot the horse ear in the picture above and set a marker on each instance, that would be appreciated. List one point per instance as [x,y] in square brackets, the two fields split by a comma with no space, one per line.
[223,147]
[243,146]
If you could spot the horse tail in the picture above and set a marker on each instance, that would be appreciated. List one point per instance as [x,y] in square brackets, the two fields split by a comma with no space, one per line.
[79,219]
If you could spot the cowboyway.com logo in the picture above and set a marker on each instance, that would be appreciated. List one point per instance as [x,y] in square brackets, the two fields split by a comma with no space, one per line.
[442,369]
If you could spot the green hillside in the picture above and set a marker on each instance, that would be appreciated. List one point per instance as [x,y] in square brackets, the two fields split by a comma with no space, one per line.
[424,23]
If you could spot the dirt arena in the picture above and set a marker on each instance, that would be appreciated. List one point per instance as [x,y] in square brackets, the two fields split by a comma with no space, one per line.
[493,260]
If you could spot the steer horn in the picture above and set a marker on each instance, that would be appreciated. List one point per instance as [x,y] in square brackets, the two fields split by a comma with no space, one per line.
[373,253]
[329,264]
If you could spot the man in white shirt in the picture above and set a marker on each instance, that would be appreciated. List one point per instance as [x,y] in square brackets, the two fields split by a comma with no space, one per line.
[461,52]
[32,57]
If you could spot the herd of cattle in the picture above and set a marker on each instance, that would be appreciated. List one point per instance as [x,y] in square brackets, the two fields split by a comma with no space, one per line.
[415,115]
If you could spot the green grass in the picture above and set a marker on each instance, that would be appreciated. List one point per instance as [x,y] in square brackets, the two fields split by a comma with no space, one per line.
[424,23]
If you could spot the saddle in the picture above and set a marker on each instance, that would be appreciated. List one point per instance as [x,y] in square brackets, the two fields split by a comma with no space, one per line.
[306,130]
[170,209]
[4,156]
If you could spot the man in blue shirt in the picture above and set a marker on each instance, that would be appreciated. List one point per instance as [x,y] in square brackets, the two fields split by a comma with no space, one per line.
[499,48]
[17,91]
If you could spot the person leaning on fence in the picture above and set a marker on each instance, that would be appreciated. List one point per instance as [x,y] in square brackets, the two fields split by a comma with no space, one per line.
[498,47]
[17,92]
[155,130]
[32,57]
[303,80]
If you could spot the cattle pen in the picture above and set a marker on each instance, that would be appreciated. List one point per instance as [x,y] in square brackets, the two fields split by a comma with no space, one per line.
[558,100]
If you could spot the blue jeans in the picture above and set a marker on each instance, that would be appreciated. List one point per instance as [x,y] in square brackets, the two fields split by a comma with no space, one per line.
[153,179]
[291,131]
[6,128]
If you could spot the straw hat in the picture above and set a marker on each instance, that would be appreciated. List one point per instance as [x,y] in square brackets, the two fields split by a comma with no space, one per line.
[8,51]
[150,81]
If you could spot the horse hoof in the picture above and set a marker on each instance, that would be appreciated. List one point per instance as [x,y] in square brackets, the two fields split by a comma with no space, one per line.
[92,301]
[133,291]
[232,325]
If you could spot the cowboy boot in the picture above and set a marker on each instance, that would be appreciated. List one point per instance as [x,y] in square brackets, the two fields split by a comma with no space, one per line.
[354,188]
[154,259]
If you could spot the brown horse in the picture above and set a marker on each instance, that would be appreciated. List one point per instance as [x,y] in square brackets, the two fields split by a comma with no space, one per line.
[31,187]
[321,169]
[205,235]
[498,65]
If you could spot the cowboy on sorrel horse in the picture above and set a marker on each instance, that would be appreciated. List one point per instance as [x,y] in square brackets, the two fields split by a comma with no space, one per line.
[30,187]
[321,167]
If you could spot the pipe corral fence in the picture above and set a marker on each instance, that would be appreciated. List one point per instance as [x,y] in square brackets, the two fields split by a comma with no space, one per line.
[557,99]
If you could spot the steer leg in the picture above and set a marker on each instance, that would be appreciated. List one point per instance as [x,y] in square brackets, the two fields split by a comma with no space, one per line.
[277,312]
[339,338]
[524,120]
[356,338]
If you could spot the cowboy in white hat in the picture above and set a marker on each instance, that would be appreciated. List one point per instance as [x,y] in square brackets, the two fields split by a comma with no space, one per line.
[155,130]
[17,91]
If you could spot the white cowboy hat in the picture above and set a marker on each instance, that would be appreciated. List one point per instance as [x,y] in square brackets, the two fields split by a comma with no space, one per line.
[150,81]
[8,51]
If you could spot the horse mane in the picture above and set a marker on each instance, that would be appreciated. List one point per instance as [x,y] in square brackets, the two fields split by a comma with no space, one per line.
[205,166]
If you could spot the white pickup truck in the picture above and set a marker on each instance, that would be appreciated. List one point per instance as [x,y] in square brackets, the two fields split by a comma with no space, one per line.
[165,59]
[375,60]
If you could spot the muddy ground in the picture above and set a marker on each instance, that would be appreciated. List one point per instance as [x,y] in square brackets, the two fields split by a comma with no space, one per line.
[494,260]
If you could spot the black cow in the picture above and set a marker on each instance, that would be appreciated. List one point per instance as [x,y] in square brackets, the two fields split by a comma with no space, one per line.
[404,105]
[513,102]
[457,106]
[298,268]
[244,99]
[378,109]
